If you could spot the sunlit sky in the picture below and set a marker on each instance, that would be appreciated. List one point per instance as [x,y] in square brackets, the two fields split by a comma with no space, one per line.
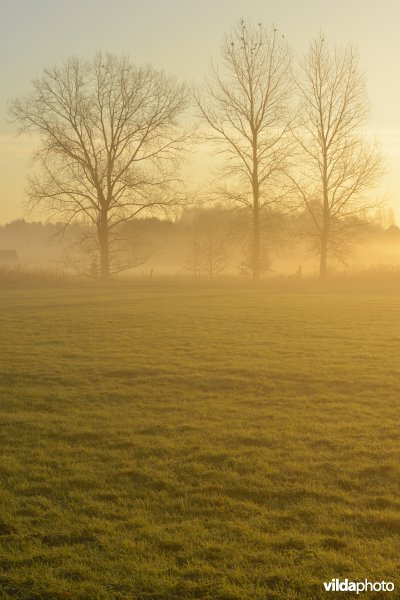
[181,36]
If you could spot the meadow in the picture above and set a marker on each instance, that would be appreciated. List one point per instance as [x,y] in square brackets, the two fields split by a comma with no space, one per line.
[227,442]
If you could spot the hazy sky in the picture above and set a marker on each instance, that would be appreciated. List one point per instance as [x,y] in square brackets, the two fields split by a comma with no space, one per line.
[181,36]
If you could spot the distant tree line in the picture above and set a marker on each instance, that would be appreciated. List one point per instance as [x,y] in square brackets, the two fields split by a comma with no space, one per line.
[203,243]
[288,135]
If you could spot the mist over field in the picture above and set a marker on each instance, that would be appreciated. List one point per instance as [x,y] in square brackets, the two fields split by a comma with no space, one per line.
[200,243]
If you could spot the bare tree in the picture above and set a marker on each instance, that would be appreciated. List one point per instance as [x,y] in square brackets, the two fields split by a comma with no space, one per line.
[110,141]
[209,252]
[246,106]
[339,167]
[192,262]
[212,241]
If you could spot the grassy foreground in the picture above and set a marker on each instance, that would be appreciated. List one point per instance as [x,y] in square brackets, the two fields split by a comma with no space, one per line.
[162,442]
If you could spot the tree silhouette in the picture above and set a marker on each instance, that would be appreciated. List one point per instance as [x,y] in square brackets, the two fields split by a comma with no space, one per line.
[245,104]
[110,141]
[338,167]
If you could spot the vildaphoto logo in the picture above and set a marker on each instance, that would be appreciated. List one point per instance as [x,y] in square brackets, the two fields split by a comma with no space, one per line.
[344,585]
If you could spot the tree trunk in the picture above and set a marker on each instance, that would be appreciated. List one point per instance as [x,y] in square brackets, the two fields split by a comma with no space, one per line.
[325,218]
[324,253]
[256,216]
[256,244]
[104,247]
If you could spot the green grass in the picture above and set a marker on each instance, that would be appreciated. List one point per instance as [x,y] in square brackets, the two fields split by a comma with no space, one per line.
[162,442]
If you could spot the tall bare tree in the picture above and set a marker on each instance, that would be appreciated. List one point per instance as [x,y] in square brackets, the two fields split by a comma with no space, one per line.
[339,167]
[210,241]
[245,104]
[110,141]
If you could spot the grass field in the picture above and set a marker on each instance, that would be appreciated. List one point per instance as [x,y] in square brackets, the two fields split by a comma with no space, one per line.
[226,443]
